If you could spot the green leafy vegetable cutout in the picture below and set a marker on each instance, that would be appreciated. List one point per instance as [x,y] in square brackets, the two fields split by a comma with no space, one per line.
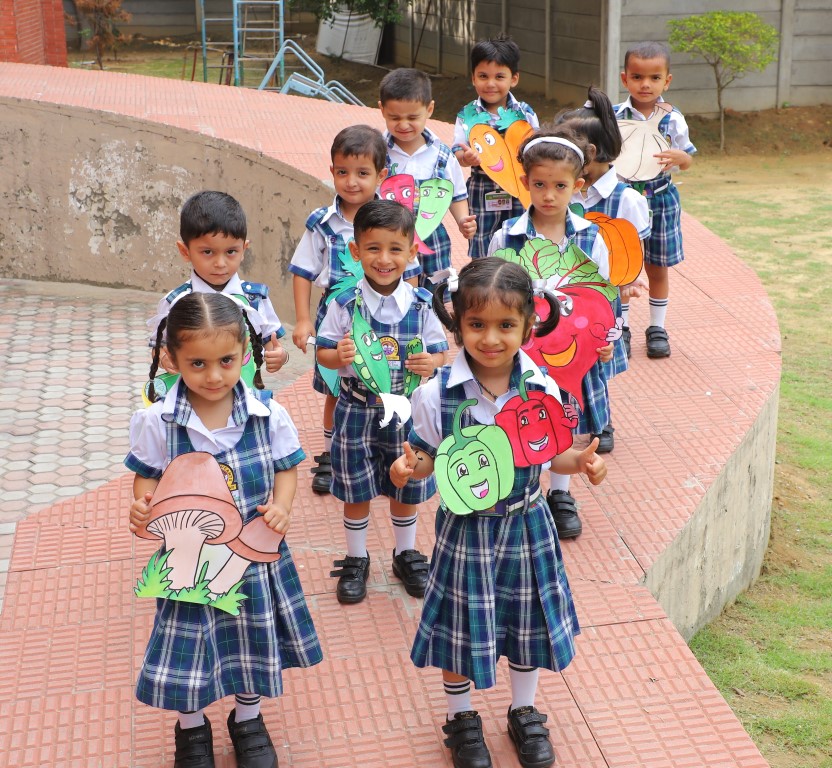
[505,117]
[347,283]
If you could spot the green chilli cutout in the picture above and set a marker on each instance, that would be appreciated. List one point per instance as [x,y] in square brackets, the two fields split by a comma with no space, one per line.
[411,379]
[370,364]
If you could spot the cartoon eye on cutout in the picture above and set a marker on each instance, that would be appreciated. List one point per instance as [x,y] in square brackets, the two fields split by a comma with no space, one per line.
[440,193]
[390,196]
[566,305]
[490,139]
[484,462]
[524,421]
[478,147]
[461,470]
[407,192]
[367,339]
[424,192]
[541,414]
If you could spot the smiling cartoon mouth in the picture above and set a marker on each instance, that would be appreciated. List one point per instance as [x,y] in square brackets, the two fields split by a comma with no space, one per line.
[498,167]
[539,445]
[560,359]
[377,357]
[426,215]
[480,490]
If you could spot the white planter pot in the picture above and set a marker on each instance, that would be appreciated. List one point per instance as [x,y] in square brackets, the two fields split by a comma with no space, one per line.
[351,36]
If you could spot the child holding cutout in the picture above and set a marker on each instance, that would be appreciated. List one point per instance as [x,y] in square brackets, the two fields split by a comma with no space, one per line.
[197,654]
[497,584]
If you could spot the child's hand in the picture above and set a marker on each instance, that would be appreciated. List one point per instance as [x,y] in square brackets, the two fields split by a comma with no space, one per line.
[346,350]
[468,226]
[276,515]
[421,364]
[672,157]
[616,332]
[300,335]
[634,290]
[468,156]
[605,353]
[402,468]
[276,357]
[140,512]
[592,464]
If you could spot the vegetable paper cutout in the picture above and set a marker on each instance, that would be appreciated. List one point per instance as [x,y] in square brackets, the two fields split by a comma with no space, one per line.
[435,197]
[623,243]
[193,512]
[641,141]
[411,380]
[535,425]
[474,466]
[569,351]
[498,146]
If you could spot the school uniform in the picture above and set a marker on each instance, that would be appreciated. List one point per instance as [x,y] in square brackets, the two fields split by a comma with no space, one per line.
[497,585]
[362,451]
[491,212]
[198,654]
[664,245]
[317,258]
[433,160]
[513,234]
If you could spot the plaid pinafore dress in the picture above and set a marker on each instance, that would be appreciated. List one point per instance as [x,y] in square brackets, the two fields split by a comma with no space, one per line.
[497,585]
[596,411]
[197,654]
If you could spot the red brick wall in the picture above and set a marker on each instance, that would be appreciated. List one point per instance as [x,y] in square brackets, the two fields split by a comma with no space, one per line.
[32,32]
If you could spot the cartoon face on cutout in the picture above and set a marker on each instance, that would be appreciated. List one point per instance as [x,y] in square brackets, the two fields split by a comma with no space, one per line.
[570,350]
[435,197]
[495,157]
[401,188]
[370,363]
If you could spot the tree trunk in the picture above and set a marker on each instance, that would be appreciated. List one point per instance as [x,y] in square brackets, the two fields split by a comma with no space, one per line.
[721,118]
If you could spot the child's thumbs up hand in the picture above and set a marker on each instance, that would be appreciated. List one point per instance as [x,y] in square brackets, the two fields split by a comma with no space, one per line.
[592,464]
[276,357]
[402,468]
[467,156]
[140,512]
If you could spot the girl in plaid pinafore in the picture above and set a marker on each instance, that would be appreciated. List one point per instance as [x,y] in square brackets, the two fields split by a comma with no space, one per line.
[198,654]
[497,585]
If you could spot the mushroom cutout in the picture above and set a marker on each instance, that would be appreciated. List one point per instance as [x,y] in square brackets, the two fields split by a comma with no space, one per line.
[257,543]
[191,505]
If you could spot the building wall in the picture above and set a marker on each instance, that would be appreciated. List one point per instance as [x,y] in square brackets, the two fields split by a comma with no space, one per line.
[32,32]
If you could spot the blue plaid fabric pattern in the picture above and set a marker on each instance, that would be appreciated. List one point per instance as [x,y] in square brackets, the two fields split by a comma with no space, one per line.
[497,585]
[362,451]
[197,654]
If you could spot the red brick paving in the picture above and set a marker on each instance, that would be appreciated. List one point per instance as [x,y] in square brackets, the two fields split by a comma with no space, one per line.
[72,635]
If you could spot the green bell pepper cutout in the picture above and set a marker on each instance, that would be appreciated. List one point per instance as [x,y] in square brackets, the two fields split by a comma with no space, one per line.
[412,380]
[370,364]
[474,466]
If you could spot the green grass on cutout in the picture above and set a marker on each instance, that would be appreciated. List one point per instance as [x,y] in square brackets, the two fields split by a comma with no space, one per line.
[198,593]
[230,601]
[154,581]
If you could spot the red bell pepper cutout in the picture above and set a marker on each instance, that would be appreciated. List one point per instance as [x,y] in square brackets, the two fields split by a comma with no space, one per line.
[536,425]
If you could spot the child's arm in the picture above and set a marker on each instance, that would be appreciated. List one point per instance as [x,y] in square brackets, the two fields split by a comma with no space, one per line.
[143,488]
[279,509]
[466,156]
[412,464]
[425,363]
[465,220]
[274,354]
[674,158]
[304,328]
[340,357]
[573,462]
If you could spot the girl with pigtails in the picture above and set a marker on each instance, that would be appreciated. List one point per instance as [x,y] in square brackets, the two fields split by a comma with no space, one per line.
[198,654]
[497,585]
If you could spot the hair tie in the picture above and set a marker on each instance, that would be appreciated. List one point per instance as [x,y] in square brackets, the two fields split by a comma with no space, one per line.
[450,274]
[588,104]
[555,140]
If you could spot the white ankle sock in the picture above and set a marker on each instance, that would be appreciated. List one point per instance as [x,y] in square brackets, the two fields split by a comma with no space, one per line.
[356,531]
[458,696]
[523,685]
[404,529]
[559,482]
[246,707]
[191,719]
[327,440]
[625,314]
[658,311]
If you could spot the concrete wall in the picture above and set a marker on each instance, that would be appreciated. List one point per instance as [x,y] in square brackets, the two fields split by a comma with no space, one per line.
[104,208]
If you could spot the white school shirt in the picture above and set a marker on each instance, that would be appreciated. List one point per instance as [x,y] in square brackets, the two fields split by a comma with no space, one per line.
[632,205]
[385,309]
[427,399]
[264,320]
[421,163]
[148,430]
[677,128]
[600,254]
[312,253]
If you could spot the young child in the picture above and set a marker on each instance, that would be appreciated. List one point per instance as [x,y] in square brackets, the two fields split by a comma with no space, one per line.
[212,239]
[495,70]
[406,103]
[604,193]
[362,451]
[497,584]
[197,654]
[553,163]
[646,76]
[359,154]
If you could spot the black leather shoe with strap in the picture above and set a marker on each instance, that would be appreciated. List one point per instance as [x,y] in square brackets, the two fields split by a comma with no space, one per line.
[194,746]
[606,439]
[322,473]
[411,566]
[530,737]
[352,576]
[658,343]
[564,512]
[253,746]
[466,742]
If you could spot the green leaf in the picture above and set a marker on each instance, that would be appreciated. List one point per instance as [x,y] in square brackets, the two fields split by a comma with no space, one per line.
[505,117]
[154,581]
[230,601]
[471,116]
[198,593]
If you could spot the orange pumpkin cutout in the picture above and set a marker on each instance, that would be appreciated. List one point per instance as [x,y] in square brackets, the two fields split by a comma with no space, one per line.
[624,245]
[498,156]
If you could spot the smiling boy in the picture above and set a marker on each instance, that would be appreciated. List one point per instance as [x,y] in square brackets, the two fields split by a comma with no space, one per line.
[362,450]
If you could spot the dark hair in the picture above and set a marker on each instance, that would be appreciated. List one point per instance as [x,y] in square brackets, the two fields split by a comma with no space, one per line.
[204,314]
[501,50]
[492,279]
[384,214]
[209,213]
[361,141]
[596,123]
[405,84]
[552,151]
[648,50]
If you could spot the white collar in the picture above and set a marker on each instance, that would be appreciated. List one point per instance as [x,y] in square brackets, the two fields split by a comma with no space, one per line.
[520,227]
[427,134]
[579,222]
[461,371]
[511,103]
[255,407]
[233,286]
[403,296]
[334,210]
[628,104]
[606,184]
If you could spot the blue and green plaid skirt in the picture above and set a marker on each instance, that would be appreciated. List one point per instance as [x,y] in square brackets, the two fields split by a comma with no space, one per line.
[663,247]
[488,222]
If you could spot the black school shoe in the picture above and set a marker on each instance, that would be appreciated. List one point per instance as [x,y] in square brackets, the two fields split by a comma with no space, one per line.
[352,576]
[627,338]
[530,737]
[606,441]
[253,746]
[194,746]
[466,742]
[565,514]
[322,474]
[658,343]
[411,567]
